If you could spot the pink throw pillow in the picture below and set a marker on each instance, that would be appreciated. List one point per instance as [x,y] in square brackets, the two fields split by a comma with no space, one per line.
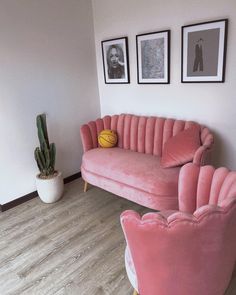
[181,148]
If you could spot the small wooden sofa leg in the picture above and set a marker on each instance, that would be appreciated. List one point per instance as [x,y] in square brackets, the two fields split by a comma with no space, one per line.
[85,186]
[135,292]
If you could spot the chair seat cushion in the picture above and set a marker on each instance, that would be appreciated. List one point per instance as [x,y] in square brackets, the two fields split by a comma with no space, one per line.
[142,171]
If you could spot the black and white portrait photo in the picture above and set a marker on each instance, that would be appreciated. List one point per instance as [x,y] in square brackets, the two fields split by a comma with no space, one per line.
[153,57]
[203,52]
[115,60]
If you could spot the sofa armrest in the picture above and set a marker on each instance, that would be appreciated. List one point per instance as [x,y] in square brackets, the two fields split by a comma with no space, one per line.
[200,155]
[207,142]
[88,133]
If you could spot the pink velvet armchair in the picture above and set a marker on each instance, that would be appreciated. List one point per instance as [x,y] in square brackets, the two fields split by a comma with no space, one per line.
[191,251]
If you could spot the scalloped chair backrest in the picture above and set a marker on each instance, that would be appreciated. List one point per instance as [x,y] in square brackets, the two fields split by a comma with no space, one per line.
[199,186]
[184,253]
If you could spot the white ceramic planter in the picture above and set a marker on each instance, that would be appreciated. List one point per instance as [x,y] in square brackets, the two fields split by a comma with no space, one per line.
[50,190]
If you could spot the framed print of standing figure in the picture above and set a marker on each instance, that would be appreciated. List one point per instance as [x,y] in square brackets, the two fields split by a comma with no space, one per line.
[204,52]
[115,60]
[153,57]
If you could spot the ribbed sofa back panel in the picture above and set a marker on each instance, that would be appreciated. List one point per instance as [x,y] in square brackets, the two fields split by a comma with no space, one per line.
[114,120]
[167,130]
[138,133]
[120,130]
[107,122]
[134,133]
[126,134]
[141,134]
[149,138]
[179,126]
[99,125]
[158,136]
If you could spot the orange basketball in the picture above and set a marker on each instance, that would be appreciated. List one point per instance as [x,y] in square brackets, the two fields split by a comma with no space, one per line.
[107,138]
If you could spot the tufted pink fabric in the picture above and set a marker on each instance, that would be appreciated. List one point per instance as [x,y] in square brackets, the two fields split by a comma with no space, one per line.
[191,251]
[132,169]
[143,134]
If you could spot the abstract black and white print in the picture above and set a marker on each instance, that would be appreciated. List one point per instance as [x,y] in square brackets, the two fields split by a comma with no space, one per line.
[153,57]
[152,52]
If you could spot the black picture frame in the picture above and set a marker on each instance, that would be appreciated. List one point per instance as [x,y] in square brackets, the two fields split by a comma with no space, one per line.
[203,53]
[115,56]
[153,57]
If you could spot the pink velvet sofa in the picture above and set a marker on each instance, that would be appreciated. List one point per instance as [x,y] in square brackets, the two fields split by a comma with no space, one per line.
[190,251]
[132,169]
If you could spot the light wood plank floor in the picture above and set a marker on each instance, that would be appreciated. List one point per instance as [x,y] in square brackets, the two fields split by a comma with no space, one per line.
[75,246]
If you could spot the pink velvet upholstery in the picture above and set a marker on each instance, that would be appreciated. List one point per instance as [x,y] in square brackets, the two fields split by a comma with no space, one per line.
[180,149]
[132,169]
[192,251]
[139,171]
[143,134]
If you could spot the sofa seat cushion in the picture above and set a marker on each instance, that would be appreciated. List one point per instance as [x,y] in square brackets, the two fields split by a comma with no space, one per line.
[142,171]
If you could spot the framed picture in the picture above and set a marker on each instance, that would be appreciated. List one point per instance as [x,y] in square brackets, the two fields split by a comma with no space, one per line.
[153,57]
[204,52]
[115,60]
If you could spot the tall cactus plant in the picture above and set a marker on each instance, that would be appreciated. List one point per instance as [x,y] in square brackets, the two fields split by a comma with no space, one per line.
[45,154]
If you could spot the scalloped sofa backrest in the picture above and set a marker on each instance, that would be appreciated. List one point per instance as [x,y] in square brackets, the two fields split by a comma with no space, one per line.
[140,134]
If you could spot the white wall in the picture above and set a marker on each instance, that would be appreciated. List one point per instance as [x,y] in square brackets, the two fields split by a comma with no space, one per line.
[47,64]
[211,104]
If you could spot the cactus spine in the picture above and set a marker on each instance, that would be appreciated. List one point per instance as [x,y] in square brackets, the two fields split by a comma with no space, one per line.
[45,154]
